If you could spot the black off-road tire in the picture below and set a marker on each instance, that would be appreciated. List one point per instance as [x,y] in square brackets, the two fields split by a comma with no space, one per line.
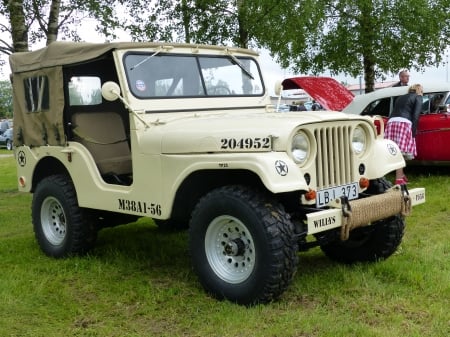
[372,243]
[61,227]
[242,245]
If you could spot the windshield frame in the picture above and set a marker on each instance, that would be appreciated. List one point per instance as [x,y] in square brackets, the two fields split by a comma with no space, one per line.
[162,75]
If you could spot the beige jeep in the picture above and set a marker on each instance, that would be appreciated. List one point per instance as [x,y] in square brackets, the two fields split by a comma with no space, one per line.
[187,135]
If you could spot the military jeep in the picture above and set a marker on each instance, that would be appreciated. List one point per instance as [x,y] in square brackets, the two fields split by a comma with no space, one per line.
[187,135]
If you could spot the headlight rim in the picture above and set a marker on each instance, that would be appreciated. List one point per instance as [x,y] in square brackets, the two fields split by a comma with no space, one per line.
[307,151]
[365,141]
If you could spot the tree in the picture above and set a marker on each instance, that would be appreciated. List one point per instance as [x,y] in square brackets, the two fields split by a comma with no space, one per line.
[354,37]
[220,22]
[372,37]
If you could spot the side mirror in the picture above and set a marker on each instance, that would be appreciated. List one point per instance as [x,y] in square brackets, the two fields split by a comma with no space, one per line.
[110,91]
[278,88]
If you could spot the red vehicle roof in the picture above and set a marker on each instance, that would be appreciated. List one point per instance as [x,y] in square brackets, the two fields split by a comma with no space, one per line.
[328,92]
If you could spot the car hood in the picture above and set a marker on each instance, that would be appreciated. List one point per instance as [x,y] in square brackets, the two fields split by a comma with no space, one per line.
[232,131]
[325,90]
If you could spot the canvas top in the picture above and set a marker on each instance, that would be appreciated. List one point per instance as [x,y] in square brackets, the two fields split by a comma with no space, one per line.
[62,52]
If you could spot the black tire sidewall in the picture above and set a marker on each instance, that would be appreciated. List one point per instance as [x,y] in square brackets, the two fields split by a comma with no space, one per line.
[78,236]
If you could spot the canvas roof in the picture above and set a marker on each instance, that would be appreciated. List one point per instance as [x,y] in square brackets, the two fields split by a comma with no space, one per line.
[62,52]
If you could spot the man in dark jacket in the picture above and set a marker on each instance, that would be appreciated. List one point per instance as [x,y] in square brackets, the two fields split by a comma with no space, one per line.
[403,76]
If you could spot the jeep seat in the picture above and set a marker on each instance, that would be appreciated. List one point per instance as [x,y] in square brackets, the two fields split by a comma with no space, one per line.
[103,134]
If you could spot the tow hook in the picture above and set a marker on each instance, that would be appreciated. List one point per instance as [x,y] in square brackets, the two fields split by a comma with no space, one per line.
[347,213]
[406,209]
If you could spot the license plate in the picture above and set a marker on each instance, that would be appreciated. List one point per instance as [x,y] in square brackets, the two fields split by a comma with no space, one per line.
[329,194]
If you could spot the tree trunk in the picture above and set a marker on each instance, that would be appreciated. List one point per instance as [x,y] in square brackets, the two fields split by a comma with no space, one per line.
[19,31]
[186,19]
[53,22]
[369,75]
[242,20]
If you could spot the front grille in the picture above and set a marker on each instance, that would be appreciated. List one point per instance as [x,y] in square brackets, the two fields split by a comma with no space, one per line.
[334,161]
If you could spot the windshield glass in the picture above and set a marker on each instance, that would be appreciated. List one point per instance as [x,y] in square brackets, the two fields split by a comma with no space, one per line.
[173,76]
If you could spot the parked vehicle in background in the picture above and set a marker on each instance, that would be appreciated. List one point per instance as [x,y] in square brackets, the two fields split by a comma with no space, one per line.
[5,125]
[6,139]
[433,131]
[187,135]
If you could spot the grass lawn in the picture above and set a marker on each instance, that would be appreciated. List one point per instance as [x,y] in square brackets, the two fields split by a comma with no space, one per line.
[138,282]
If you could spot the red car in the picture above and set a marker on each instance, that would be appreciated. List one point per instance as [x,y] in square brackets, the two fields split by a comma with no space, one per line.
[433,131]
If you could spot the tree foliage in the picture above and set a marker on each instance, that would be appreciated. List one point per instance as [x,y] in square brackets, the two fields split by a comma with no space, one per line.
[355,37]
[221,22]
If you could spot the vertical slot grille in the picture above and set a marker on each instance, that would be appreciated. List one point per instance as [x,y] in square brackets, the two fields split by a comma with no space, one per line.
[334,162]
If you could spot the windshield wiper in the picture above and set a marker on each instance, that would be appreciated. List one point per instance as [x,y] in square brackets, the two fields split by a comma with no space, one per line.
[237,62]
[160,48]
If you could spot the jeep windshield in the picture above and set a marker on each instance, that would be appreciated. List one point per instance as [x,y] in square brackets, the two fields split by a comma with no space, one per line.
[158,75]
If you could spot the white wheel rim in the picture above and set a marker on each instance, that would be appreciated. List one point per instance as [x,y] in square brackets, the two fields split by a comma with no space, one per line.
[230,249]
[53,221]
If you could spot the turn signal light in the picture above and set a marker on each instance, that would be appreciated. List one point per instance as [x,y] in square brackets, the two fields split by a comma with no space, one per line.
[364,182]
[310,195]
[22,181]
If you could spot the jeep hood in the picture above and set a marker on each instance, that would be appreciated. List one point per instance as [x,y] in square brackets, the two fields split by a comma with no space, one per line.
[236,132]
[325,90]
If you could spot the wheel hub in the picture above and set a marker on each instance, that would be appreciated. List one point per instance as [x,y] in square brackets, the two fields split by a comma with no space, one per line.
[53,221]
[230,249]
[235,247]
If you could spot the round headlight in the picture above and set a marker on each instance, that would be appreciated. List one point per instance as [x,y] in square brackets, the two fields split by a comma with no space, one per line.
[359,140]
[300,148]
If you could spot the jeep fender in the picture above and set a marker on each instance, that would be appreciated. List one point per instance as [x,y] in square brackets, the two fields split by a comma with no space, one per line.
[385,157]
[277,170]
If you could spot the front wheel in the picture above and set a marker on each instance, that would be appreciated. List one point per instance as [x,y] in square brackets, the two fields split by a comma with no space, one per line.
[60,225]
[242,245]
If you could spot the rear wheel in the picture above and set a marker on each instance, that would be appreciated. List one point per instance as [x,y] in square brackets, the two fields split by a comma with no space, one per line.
[242,245]
[372,243]
[60,225]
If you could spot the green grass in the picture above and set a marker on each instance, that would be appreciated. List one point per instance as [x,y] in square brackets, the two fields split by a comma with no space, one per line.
[138,282]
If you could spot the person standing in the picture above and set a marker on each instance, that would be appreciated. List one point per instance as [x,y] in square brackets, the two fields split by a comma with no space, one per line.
[315,106]
[403,76]
[402,126]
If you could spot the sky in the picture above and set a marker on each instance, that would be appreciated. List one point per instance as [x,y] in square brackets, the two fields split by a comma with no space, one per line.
[272,72]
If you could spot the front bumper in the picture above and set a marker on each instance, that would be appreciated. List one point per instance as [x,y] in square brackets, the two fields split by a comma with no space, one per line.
[362,212]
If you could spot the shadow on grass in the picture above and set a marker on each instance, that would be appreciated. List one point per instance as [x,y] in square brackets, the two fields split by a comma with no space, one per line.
[418,169]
